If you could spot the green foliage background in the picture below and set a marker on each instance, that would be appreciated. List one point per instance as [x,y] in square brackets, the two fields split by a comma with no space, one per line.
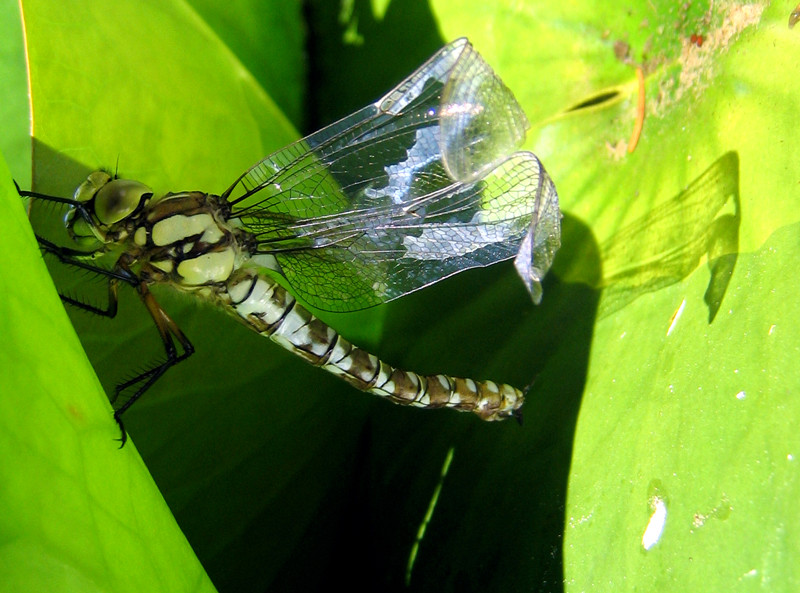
[664,353]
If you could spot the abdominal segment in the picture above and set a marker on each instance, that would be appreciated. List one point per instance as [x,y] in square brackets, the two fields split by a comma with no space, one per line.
[269,309]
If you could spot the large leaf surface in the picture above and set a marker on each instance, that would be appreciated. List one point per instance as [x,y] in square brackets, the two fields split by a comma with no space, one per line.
[672,330]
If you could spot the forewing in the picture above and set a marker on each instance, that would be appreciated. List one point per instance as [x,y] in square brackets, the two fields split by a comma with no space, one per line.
[405,192]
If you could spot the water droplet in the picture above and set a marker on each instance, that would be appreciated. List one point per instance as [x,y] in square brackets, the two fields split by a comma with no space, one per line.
[657,507]
[676,316]
[655,527]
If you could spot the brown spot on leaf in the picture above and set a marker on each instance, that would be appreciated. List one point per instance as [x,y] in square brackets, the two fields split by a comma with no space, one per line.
[699,54]
[622,51]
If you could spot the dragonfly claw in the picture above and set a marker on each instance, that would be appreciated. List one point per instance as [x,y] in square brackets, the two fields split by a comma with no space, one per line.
[123,433]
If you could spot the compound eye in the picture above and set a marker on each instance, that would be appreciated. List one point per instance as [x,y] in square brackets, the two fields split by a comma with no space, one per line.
[91,186]
[118,199]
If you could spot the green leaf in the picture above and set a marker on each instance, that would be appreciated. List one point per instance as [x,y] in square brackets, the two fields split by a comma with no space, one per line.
[706,425]
[267,38]
[121,93]
[15,141]
[667,322]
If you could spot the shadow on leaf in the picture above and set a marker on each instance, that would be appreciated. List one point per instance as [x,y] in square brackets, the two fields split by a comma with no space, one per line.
[666,245]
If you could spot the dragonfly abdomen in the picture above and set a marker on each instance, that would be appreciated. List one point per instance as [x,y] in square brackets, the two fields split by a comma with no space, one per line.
[269,309]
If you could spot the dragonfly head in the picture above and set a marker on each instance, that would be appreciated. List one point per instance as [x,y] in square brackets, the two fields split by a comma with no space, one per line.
[105,205]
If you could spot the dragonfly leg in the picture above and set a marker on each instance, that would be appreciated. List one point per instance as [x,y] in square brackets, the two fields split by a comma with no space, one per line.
[32,194]
[167,328]
[169,332]
[70,257]
[80,207]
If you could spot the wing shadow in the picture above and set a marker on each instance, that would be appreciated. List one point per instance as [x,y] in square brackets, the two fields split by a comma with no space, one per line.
[666,245]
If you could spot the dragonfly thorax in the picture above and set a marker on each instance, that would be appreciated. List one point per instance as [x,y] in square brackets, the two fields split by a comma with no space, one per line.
[186,240]
[183,239]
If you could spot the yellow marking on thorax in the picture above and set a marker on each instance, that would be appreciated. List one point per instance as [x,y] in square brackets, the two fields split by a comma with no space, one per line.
[215,266]
[178,227]
[165,265]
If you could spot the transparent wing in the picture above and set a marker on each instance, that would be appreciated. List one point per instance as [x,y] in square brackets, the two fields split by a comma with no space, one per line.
[405,192]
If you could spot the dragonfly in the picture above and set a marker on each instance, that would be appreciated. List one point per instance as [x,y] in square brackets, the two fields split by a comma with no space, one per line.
[418,186]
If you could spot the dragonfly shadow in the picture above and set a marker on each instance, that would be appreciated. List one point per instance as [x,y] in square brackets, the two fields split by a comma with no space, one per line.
[666,245]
